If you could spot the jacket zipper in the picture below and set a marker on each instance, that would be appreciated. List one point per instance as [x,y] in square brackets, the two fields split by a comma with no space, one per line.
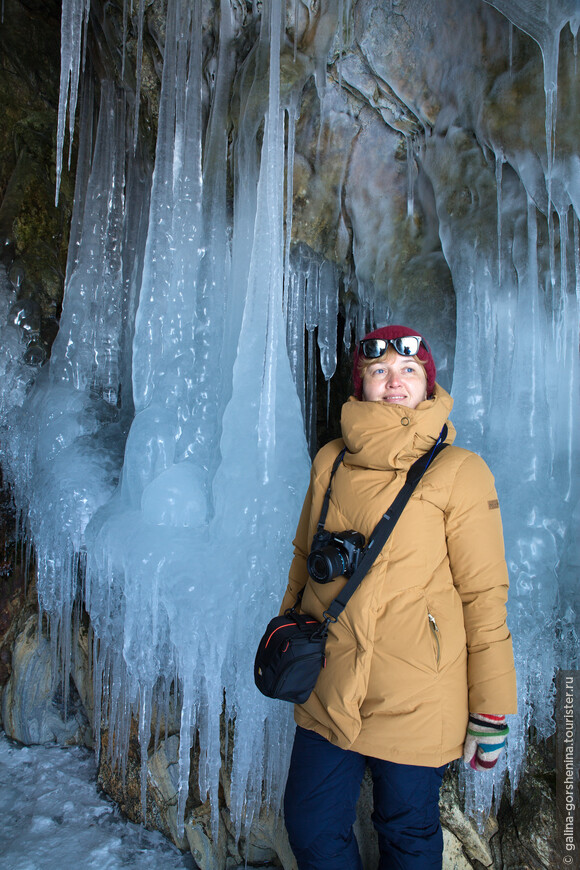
[435,629]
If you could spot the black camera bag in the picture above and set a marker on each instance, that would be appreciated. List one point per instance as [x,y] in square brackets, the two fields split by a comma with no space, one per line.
[290,657]
[291,653]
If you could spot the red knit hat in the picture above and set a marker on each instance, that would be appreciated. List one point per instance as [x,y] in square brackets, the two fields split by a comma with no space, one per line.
[387,333]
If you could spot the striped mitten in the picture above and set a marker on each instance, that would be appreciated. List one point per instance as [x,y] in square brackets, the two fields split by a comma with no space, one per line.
[485,739]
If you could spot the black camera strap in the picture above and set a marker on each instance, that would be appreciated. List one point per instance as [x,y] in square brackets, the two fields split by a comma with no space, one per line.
[384,527]
[326,501]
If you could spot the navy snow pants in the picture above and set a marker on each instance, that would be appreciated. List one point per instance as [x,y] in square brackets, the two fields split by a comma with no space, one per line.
[320,808]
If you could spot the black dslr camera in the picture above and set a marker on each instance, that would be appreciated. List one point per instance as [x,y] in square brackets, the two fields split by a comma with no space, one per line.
[334,554]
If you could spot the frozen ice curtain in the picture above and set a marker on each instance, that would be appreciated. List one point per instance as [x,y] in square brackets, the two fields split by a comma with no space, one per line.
[160,457]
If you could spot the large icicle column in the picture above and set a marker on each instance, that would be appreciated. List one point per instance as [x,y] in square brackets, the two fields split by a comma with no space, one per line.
[183,562]
[256,185]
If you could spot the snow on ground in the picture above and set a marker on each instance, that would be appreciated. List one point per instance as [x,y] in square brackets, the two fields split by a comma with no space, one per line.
[52,816]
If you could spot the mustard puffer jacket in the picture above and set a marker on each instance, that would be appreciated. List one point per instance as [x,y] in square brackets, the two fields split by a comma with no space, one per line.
[424,638]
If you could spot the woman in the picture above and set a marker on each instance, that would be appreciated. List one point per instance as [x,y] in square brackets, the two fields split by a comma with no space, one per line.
[422,649]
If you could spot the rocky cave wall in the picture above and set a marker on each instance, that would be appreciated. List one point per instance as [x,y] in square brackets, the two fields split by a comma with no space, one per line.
[404,77]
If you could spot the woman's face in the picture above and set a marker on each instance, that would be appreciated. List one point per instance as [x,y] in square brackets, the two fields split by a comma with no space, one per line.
[396,380]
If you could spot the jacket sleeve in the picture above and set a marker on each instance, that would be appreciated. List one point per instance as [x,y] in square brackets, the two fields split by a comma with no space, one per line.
[477,559]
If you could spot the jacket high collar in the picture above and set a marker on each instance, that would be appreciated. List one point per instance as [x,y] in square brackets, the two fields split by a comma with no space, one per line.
[392,437]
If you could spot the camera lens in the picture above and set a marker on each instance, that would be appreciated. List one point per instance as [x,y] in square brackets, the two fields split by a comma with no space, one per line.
[326,564]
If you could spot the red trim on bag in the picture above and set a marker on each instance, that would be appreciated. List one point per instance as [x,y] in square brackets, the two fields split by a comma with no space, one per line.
[308,622]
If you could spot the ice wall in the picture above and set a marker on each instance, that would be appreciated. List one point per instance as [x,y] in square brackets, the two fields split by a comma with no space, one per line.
[517,375]
[516,361]
[161,458]
[178,530]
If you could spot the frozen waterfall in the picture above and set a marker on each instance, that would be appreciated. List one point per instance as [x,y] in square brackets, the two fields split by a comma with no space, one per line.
[160,458]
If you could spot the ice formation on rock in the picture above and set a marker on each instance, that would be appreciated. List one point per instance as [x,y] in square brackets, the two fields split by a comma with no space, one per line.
[161,458]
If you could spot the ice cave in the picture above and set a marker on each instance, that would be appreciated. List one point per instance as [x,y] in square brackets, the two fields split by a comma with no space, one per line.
[203,206]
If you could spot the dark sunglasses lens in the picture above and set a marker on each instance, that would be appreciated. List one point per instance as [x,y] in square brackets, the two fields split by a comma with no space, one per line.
[407,346]
[372,348]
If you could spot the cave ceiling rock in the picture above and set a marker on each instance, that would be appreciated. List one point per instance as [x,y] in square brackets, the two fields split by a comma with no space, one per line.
[400,268]
[458,66]
[324,141]
[376,202]
[311,28]
[435,57]
[465,186]
[355,75]
[540,20]
[442,61]
[513,123]
[352,182]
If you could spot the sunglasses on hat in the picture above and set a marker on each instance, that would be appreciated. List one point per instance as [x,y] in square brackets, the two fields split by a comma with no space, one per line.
[373,348]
